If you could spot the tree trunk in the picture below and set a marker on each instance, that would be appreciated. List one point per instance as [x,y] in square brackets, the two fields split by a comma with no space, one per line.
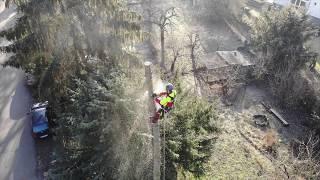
[194,68]
[192,2]
[149,7]
[162,62]
[173,64]
[155,127]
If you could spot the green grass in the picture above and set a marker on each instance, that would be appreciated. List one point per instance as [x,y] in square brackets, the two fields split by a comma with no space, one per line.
[233,157]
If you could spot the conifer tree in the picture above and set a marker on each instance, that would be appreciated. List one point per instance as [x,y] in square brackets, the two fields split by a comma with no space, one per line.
[75,49]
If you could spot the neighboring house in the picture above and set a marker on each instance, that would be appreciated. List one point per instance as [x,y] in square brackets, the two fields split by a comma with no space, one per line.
[225,73]
[312,6]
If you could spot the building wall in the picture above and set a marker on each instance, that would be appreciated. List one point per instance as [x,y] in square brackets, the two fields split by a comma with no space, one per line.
[314,8]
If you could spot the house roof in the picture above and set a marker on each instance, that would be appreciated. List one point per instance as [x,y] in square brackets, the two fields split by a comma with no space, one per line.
[224,59]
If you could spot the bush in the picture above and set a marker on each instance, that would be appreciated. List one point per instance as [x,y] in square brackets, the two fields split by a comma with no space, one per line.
[281,36]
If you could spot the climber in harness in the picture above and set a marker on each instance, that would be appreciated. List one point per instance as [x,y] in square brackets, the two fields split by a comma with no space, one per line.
[164,102]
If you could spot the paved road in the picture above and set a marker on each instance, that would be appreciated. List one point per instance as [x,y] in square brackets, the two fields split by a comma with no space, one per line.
[17,149]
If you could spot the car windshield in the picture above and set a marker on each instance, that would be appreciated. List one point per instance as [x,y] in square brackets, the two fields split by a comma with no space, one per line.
[38,115]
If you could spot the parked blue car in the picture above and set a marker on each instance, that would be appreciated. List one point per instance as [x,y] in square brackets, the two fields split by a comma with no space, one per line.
[40,124]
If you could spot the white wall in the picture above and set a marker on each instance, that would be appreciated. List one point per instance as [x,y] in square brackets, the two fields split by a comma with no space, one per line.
[314,8]
[282,2]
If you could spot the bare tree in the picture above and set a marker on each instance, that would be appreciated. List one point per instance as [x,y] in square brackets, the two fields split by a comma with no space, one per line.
[196,49]
[164,20]
[194,45]
[176,53]
[304,161]
[307,163]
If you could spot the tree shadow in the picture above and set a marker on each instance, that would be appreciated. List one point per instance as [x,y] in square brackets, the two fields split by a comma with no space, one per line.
[13,91]
[21,157]
[20,102]
[25,153]
[8,17]
[6,150]
[16,145]
[8,81]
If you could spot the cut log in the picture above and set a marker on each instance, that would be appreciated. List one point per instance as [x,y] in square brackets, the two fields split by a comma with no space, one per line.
[266,106]
[278,116]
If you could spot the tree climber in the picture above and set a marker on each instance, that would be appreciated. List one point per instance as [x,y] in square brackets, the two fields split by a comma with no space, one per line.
[164,102]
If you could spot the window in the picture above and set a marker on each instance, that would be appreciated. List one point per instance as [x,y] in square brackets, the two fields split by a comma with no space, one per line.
[299,3]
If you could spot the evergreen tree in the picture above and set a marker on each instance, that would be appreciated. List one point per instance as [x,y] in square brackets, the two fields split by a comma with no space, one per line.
[75,49]
[280,36]
[190,134]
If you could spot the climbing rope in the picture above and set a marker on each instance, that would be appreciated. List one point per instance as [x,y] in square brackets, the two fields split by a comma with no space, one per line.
[166,115]
[164,146]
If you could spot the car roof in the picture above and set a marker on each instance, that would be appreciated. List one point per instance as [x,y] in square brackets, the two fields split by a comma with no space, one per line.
[39,105]
[39,109]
